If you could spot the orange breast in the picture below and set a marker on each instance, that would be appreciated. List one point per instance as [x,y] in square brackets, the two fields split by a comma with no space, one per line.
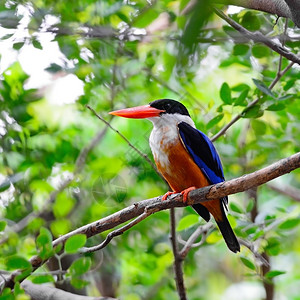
[182,172]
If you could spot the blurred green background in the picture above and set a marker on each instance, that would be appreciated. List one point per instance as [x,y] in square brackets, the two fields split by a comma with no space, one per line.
[61,167]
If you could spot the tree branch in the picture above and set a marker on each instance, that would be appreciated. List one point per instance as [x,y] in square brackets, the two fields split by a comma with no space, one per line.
[259,37]
[282,8]
[147,212]
[189,244]
[289,191]
[44,291]
[251,104]
[177,259]
[216,191]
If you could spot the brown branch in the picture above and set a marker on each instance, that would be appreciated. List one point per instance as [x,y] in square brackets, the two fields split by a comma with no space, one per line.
[268,285]
[147,212]
[129,35]
[286,190]
[259,38]
[216,191]
[177,259]
[189,244]
[265,267]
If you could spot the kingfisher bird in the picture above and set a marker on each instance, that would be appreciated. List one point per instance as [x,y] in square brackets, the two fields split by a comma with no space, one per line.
[185,157]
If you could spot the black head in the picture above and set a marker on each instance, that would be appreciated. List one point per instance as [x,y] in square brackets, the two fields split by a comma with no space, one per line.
[170,106]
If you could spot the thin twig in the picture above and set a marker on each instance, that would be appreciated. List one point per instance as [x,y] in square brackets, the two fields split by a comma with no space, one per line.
[286,190]
[253,249]
[189,244]
[167,86]
[148,211]
[80,161]
[177,259]
[279,75]
[145,156]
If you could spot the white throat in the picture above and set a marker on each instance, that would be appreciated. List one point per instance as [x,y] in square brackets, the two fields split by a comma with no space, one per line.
[165,133]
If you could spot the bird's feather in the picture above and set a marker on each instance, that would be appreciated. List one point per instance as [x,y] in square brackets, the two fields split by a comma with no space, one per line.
[203,153]
[207,159]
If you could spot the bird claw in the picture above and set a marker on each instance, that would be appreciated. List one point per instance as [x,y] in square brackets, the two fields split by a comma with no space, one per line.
[186,192]
[166,195]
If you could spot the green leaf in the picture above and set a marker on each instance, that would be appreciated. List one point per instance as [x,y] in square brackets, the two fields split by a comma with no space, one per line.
[17,262]
[253,112]
[248,263]
[2,225]
[251,21]
[18,46]
[236,208]
[80,266]
[36,224]
[274,273]
[250,205]
[214,121]
[79,283]
[145,18]
[273,246]
[262,87]
[241,100]
[276,107]
[54,68]
[240,87]
[289,224]
[240,49]
[187,222]
[7,294]
[5,185]
[60,227]
[259,127]
[229,30]
[214,237]
[37,44]
[42,279]
[260,51]
[19,292]
[44,243]
[63,205]
[24,274]
[225,93]
[285,97]
[74,243]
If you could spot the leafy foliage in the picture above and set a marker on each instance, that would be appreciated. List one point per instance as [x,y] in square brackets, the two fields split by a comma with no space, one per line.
[57,167]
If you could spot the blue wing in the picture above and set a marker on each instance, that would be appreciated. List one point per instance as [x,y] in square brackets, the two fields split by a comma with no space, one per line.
[203,153]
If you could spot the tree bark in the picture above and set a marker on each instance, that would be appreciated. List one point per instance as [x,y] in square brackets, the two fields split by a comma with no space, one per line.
[282,8]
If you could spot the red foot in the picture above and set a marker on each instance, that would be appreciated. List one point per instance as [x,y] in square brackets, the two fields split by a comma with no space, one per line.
[166,195]
[185,193]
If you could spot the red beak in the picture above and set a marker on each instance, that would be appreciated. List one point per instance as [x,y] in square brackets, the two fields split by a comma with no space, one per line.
[138,112]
